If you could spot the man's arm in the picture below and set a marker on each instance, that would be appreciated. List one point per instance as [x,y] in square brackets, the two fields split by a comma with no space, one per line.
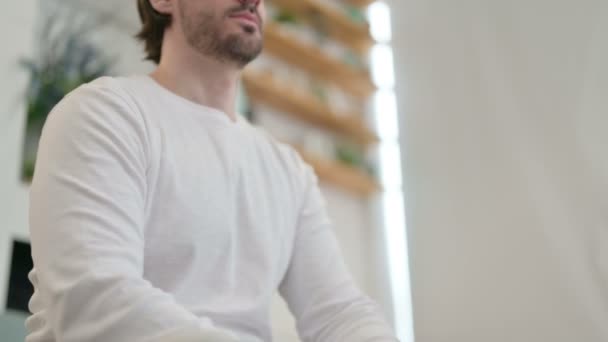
[87,208]
[319,291]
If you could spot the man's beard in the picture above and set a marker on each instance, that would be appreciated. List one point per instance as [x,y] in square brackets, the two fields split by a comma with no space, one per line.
[203,32]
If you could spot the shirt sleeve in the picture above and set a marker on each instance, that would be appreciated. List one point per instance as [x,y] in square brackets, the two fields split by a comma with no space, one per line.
[87,213]
[317,287]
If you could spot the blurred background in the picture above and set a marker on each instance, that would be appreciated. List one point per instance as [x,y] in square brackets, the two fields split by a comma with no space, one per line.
[462,147]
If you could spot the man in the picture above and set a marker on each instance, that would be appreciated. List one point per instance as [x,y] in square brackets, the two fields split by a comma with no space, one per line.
[158,214]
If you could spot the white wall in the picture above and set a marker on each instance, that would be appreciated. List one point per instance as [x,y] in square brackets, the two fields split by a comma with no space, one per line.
[505,129]
[13,196]
[357,232]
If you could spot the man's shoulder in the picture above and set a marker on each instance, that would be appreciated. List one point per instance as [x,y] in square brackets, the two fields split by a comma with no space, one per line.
[102,102]
[105,86]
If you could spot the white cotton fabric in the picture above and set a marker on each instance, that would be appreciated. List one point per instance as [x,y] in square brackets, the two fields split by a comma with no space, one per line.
[157,219]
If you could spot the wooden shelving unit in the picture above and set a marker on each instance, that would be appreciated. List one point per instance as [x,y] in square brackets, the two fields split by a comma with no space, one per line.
[312,59]
[344,176]
[264,88]
[337,24]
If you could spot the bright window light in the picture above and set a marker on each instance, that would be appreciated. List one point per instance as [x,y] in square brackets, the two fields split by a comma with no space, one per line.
[379,16]
[390,166]
[387,123]
[396,241]
[383,71]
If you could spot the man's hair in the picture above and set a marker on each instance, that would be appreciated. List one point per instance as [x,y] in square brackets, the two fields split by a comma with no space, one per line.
[153,29]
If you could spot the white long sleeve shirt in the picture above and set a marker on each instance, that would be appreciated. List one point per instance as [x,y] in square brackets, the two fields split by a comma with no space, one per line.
[154,218]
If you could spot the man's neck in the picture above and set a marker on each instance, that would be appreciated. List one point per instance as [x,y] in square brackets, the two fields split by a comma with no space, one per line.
[200,79]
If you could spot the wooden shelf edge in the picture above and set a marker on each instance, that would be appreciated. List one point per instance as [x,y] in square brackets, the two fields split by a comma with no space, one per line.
[359,3]
[356,82]
[352,33]
[341,27]
[343,176]
[264,88]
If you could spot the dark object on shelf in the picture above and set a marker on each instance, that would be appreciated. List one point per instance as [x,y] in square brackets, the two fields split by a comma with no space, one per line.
[20,289]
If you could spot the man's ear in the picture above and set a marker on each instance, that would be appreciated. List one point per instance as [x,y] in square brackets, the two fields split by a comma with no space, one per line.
[163,6]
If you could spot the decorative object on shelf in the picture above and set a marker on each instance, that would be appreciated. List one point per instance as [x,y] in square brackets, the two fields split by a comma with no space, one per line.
[355,14]
[349,155]
[351,179]
[352,155]
[66,60]
[285,17]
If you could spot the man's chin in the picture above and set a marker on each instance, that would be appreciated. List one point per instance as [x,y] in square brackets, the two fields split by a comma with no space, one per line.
[248,44]
[242,53]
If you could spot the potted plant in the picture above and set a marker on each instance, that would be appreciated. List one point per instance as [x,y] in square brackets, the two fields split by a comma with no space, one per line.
[67,59]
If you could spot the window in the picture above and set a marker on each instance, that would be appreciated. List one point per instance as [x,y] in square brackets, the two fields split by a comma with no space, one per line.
[393,208]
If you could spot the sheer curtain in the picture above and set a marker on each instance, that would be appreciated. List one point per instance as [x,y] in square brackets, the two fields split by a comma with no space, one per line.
[504,108]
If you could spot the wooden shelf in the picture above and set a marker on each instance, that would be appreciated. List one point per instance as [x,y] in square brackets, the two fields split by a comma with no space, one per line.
[358,3]
[344,176]
[312,59]
[262,87]
[338,25]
